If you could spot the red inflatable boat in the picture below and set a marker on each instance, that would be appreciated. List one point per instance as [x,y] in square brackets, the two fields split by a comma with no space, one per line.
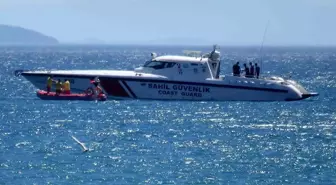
[52,96]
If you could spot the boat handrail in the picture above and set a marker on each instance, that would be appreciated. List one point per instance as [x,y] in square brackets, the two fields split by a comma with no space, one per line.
[210,69]
[192,53]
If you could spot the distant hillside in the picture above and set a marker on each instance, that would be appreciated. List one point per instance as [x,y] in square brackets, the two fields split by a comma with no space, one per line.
[13,35]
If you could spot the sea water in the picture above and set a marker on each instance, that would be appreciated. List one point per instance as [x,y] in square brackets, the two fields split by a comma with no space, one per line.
[167,142]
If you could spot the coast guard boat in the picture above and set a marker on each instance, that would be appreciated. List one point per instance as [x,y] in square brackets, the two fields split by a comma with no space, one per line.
[177,78]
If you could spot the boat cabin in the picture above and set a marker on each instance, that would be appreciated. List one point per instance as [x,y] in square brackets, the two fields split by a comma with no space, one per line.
[184,67]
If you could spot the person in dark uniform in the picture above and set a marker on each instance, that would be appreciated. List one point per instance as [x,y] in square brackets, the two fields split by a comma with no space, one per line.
[247,71]
[257,70]
[236,69]
[252,74]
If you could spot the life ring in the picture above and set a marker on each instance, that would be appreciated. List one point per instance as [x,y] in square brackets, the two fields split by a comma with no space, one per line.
[89,91]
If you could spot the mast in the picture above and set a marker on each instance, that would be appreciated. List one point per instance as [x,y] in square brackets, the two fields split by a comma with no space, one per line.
[261,48]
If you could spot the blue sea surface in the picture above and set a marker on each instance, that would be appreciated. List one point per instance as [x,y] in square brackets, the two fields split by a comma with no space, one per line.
[167,142]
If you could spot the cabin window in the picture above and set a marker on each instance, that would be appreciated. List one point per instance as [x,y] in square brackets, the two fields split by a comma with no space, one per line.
[170,64]
[203,69]
[155,65]
[185,65]
[214,65]
[147,62]
[159,65]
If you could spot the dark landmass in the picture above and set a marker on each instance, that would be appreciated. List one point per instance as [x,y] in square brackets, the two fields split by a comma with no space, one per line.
[14,35]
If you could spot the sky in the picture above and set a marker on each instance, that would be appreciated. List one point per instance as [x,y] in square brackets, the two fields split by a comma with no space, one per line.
[225,22]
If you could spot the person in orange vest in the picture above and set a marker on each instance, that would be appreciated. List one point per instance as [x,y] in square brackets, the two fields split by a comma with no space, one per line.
[66,87]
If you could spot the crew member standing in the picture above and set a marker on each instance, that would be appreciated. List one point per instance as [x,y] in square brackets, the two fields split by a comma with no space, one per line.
[58,87]
[236,69]
[257,68]
[247,71]
[49,84]
[252,74]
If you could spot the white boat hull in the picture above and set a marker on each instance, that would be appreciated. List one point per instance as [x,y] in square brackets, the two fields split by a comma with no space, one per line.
[153,89]
[173,77]
[78,84]
[118,87]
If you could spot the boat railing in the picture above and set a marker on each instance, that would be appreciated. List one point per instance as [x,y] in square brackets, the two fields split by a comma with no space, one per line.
[254,77]
[190,53]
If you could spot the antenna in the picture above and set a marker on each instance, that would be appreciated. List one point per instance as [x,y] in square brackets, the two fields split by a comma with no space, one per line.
[261,48]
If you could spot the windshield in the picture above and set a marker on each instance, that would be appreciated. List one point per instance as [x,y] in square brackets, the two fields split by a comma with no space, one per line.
[159,65]
[154,64]
[147,62]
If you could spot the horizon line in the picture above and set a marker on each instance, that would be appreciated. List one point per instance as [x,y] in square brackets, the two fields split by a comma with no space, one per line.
[163,44]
